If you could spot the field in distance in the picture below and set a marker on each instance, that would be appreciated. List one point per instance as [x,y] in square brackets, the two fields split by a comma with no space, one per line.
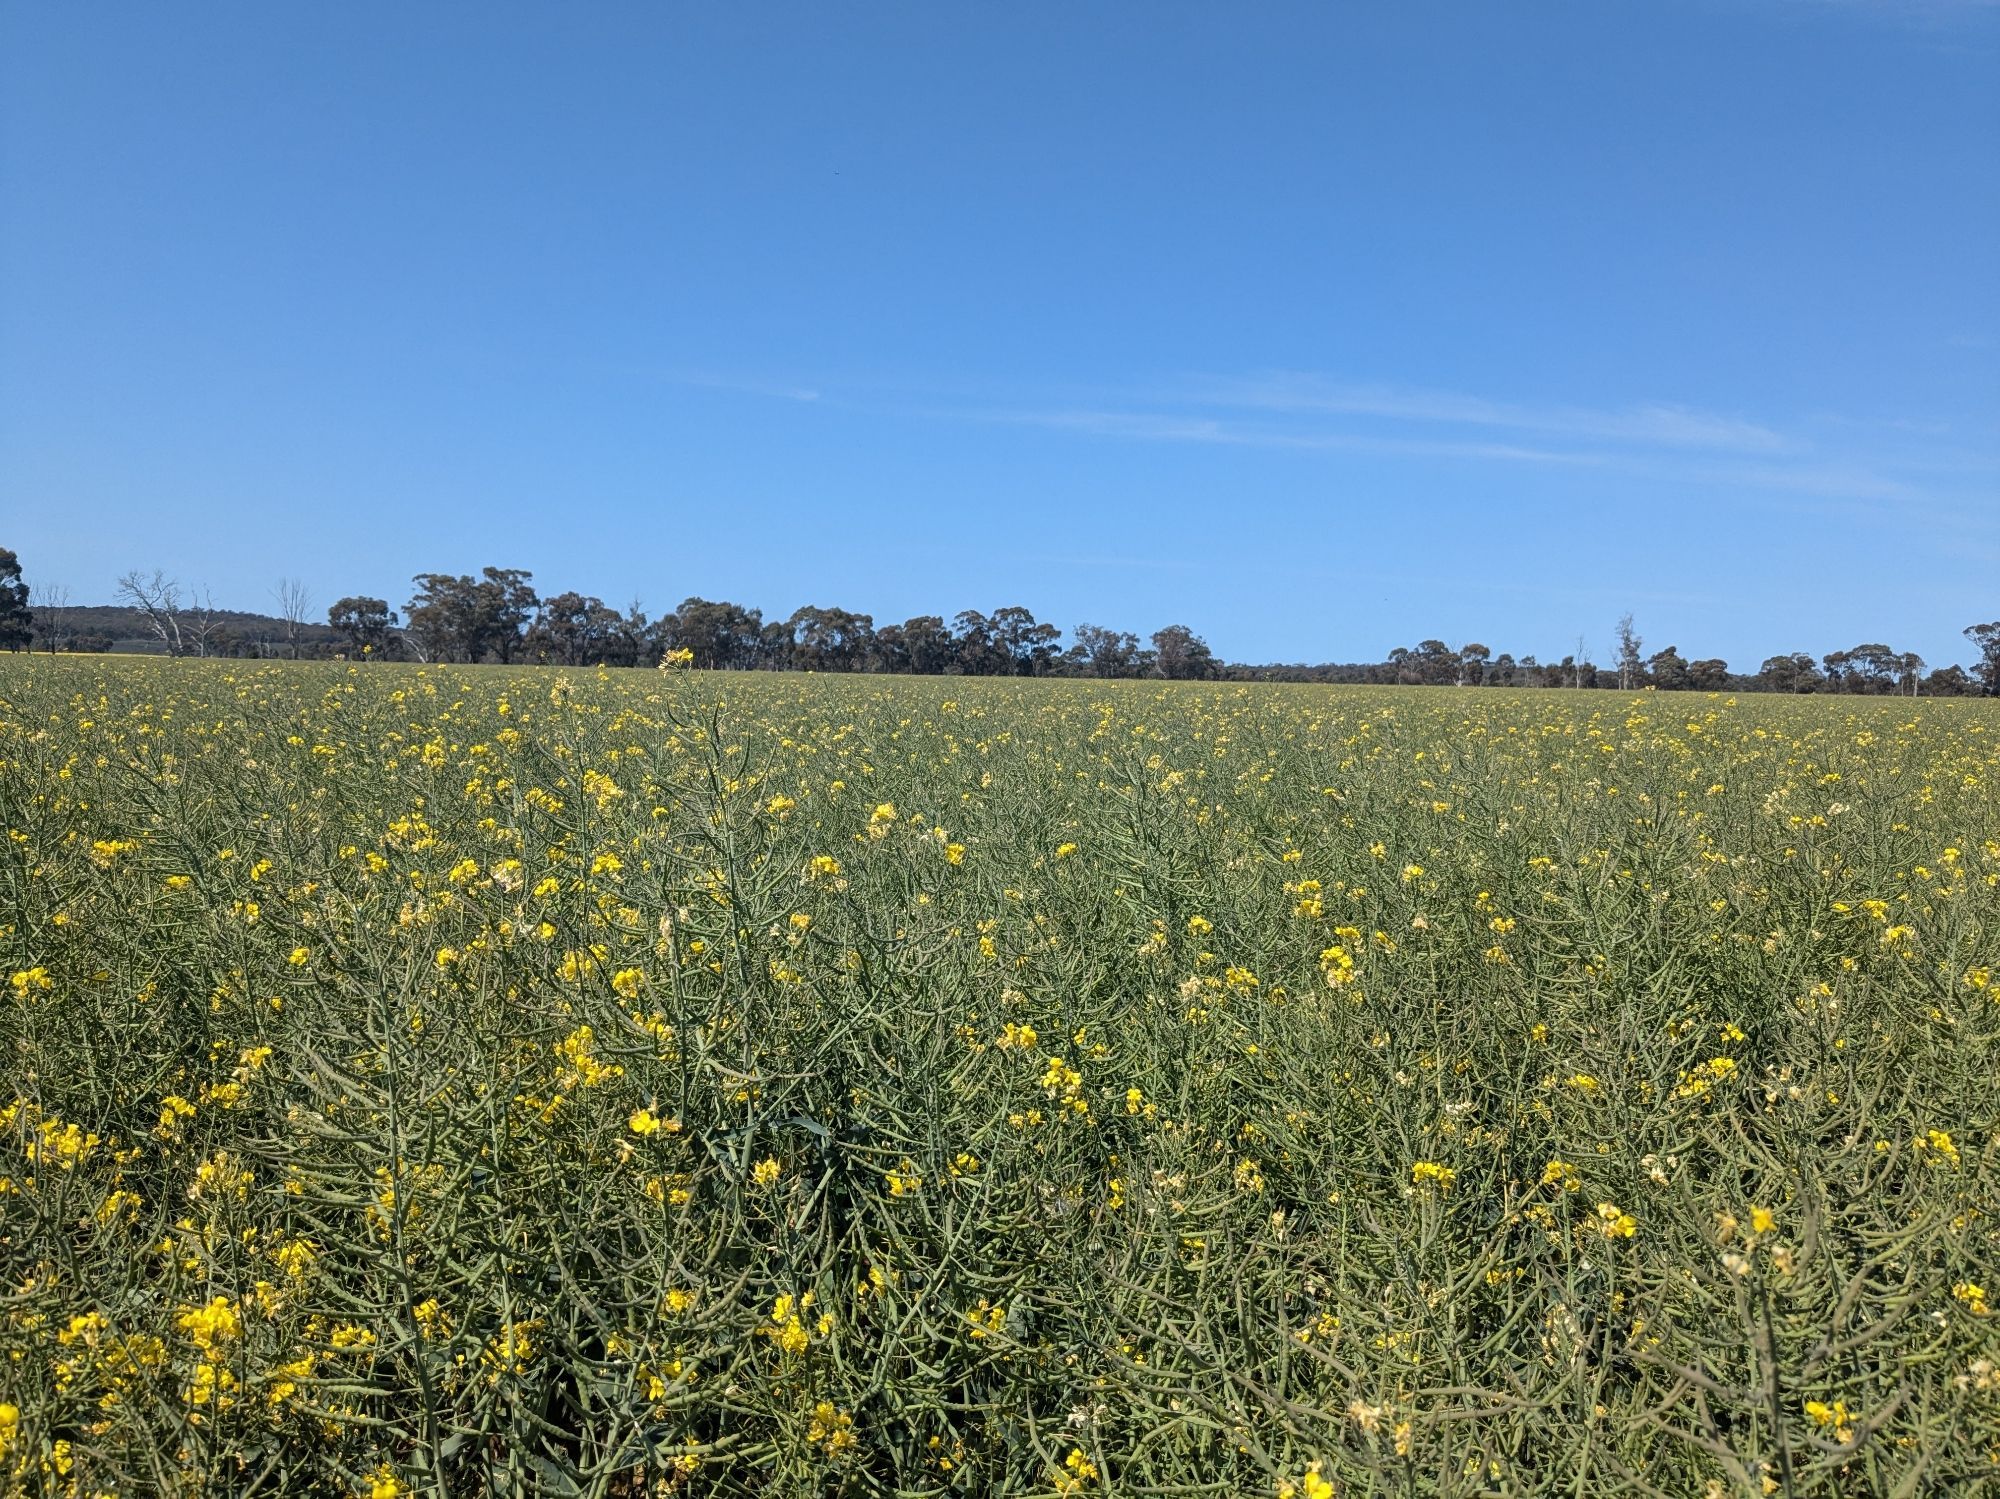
[464,1080]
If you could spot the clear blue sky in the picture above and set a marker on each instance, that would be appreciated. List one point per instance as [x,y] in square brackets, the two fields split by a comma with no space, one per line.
[1319,328]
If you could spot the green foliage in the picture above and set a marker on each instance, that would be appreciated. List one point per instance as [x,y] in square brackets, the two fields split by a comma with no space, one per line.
[17,621]
[462,1080]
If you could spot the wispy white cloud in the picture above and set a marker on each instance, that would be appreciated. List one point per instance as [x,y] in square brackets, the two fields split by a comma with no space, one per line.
[1656,441]
[1153,426]
[1829,480]
[1647,425]
[1896,466]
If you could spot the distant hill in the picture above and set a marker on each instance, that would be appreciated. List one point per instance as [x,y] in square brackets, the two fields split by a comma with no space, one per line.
[230,632]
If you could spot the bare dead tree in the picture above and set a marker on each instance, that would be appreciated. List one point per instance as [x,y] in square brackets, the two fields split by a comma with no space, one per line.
[294,603]
[202,620]
[1631,661]
[52,621]
[158,598]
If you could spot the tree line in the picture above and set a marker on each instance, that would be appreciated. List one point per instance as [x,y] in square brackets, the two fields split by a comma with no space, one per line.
[498,615]
[1872,669]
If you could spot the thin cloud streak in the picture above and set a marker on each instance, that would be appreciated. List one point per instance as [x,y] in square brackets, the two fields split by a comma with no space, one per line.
[1653,424]
[1146,426]
[1653,441]
[1442,584]
[1830,481]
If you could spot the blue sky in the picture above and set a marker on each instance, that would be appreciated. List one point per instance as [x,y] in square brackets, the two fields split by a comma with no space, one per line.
[1321,329]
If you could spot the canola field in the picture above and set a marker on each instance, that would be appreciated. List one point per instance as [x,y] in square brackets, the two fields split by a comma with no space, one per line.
[461,1081]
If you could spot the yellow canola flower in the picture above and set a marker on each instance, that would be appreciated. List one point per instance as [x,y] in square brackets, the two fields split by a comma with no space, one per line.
[831,1429]
[1077,1473]
[1834,1417]
[1615,1223]
[1432,1174]
[1309,1485]
[212,1326]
